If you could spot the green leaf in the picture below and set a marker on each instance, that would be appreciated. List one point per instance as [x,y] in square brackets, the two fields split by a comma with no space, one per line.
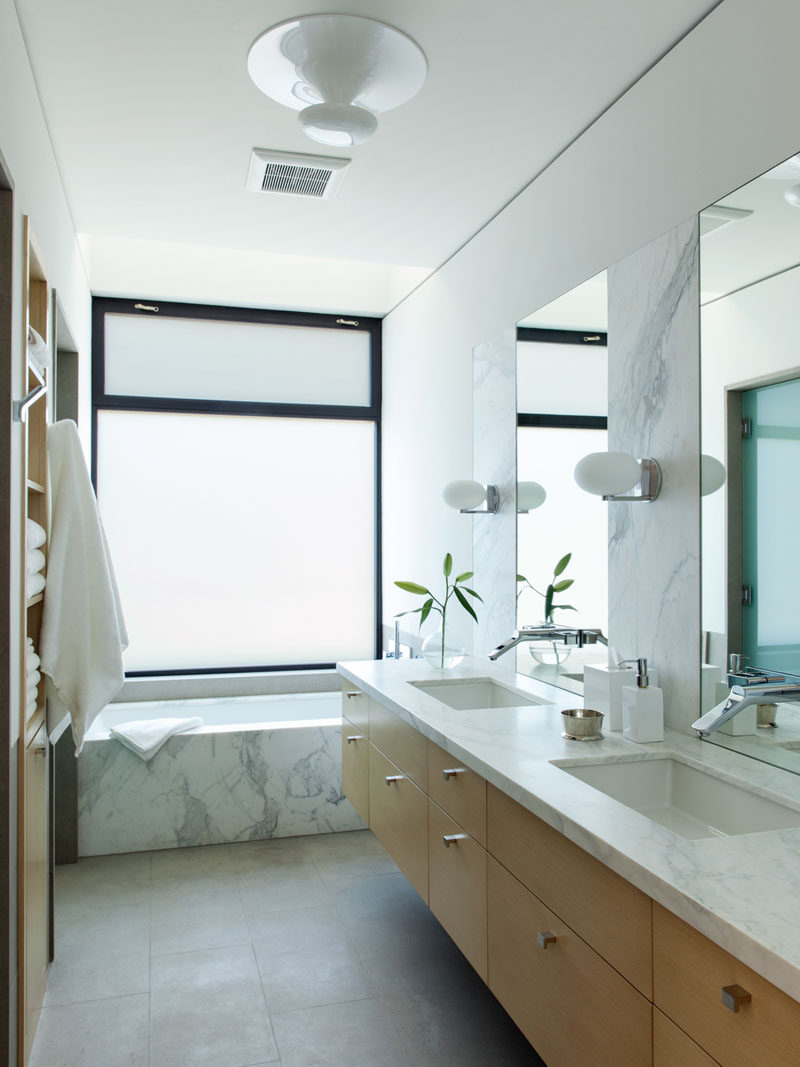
[565,583]
[412,587]
[426,610]
[465,604]
[548,603]
[463,577]
[472,593]
[562,564]
[521,578]
[563,607]
[448,565]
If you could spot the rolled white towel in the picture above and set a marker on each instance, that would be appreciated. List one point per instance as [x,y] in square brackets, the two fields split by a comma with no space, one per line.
[146,736]
[35,535]
[34,560]
[35,584]
[32,680]
[32,661]
[38,350]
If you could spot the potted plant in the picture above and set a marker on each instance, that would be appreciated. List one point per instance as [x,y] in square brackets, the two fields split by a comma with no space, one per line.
[555,653]
[439,649]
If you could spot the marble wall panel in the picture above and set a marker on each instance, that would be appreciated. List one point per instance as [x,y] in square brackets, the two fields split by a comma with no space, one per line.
[654,381]
[494,459]
[211,788]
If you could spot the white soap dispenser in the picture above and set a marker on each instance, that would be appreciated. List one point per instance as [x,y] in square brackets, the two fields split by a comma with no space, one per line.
[642,708]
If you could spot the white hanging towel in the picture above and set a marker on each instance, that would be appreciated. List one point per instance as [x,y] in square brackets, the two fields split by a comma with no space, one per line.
[146,736]
[83,630]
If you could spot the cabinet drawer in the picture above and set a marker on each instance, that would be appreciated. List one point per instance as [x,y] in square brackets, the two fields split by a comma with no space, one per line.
[355,768]
[400,743]
[570,1004]
[457,884]
[458,791]
[689,975]
[355,707]
[609,913]
[672,1047]
[399,819]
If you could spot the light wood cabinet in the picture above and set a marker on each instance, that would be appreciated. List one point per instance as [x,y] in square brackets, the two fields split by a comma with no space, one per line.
[399,818]
[355,707]
[673,1048]
[399,742]
[459,791]
[609,913]
[457,885]
[691,975]
[570,1004]
[355,768]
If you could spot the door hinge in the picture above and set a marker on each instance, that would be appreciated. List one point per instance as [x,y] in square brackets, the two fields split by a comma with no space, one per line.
[747,596]
[747,429]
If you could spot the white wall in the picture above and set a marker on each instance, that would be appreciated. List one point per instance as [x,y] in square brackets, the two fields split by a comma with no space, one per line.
[716,111]
[38,193]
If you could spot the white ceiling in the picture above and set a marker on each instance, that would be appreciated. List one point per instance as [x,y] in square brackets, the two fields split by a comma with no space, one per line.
[153,116]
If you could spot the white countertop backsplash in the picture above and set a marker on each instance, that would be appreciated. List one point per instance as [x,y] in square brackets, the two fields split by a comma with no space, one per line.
[743,892]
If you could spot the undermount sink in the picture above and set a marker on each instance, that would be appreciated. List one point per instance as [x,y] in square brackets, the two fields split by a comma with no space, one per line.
[475,694]
[685,799]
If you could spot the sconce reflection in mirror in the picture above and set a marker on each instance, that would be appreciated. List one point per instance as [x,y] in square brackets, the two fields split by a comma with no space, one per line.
[610,474]
[712,475]
[471,498]
[530,495]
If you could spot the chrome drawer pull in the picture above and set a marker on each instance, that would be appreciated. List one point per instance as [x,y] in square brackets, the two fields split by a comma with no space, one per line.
[394,778]
[545,938]
[734,996]
[355,693]
[354,737]
[451,772]
[450,839]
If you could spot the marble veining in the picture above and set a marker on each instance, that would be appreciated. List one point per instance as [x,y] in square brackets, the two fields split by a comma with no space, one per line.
[719,886]
[494,459]
[654,382]
[211,788]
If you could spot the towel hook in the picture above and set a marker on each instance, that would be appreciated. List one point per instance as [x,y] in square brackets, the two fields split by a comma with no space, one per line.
[19,407]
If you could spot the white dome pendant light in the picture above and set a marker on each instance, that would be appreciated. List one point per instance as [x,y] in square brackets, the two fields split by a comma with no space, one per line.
[338,71]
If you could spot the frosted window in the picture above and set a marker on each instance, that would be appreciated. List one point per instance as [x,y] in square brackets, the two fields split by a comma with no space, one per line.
[240,541]
[201,359]
[561,379]
[570,520]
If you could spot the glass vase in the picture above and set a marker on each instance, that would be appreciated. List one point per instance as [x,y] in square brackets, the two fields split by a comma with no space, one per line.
[549,653]
[442,654]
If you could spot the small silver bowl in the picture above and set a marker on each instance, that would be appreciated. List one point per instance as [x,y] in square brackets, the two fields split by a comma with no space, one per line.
[582,724]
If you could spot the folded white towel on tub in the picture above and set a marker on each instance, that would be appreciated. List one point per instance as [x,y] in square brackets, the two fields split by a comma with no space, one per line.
[146,736]
[35,584]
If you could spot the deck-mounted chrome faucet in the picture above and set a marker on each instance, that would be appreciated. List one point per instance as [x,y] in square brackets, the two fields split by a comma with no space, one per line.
[742,696]
[567,635]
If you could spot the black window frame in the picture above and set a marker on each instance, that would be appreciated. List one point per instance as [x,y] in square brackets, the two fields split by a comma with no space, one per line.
[371,412]
[585,338]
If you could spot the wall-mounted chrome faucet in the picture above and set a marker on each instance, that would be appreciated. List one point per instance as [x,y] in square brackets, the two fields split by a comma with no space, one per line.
[741,696]
[567,635]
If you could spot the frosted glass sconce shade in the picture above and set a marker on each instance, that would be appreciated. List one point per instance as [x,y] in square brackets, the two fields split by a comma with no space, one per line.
[530,495]
[471,498]
[712,475]
[609,474]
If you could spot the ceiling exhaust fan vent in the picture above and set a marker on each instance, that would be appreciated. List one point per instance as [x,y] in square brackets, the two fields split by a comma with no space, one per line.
[295,174]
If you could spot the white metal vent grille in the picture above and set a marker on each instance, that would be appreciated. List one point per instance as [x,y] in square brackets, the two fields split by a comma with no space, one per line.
[295,174]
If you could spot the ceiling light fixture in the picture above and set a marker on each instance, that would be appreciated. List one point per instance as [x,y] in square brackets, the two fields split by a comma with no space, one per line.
[338,71]
[792,195]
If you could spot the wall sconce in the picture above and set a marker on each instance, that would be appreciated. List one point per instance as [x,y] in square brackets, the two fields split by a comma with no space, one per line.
[609,474]
[712,475]
[471,498]
[530,495]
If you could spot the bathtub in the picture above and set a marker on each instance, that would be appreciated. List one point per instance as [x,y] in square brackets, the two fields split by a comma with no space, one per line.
[259,767]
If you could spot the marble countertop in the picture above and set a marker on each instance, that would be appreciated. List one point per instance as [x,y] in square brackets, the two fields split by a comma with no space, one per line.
[742,892]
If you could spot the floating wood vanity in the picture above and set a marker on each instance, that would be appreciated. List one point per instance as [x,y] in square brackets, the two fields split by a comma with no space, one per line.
[590,967]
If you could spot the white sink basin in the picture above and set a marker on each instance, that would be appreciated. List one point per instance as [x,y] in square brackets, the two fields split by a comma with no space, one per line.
[685,799]
[474,694]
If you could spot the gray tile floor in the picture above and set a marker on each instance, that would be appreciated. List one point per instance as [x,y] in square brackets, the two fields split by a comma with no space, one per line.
[298,952]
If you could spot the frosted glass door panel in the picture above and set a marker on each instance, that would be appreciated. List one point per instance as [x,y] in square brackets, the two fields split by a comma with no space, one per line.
[240,541]
[201,359]
[568,521]
[770,521]
[561,379]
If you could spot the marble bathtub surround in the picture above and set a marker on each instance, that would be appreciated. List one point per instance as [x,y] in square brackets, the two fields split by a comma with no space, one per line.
[716,885]
[653,385]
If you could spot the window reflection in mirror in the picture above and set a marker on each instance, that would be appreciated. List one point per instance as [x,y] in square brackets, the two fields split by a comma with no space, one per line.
[562,408]
[750,412]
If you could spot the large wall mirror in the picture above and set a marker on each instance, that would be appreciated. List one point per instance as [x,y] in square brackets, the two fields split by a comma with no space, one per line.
[750,411]
[562,409]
